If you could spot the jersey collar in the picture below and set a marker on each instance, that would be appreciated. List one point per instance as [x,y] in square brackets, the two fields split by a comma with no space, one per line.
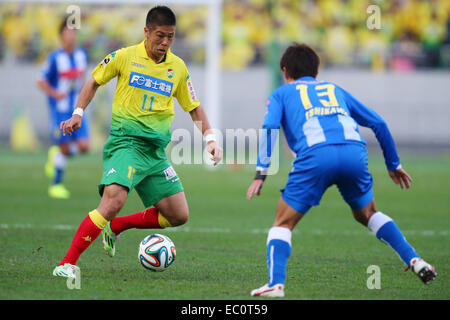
[143,53]
[306,78]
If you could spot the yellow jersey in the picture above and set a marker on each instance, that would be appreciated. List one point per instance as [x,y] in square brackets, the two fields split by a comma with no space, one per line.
[143,105]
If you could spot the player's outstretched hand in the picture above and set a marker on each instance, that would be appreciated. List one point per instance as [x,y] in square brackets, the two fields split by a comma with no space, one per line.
[70,125]
[401,177]
[255,188]
[59,95]
[216,151]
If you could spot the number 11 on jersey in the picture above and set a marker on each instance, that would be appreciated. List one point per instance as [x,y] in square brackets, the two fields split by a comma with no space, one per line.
[145,97]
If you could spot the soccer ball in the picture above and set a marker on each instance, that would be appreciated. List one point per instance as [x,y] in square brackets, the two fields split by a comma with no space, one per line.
[156,252]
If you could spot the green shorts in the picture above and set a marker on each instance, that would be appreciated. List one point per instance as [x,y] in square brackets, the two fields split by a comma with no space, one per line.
[134,163]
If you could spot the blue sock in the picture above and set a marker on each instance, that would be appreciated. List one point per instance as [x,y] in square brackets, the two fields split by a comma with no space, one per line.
[387,231]
[278,252]
[59,161]
[59,174]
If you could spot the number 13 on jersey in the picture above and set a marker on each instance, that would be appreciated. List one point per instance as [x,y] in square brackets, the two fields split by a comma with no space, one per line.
[331,100]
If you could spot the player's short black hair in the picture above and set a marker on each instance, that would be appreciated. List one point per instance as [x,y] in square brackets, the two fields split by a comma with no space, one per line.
[63,25]
[300,60]
[160,16]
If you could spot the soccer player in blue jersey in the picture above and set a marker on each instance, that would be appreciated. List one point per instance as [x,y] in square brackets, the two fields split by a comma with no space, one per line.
[61,79]
[320,121]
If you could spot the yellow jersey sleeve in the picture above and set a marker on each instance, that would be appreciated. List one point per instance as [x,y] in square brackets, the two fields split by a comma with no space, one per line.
[110,67]
[185,92]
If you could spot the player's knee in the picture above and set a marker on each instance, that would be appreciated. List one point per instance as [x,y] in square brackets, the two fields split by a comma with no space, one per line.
[116,205]
[363,215]
[181,218]
[110,208]
[285,223]
[361,219]
[286,216]
[287,220]
[64,149]
[113,200]
[83,147]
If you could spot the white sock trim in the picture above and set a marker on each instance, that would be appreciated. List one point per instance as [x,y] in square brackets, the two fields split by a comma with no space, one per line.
[73,149]
[280,233]
[377,220]
[272,248]
[59,161]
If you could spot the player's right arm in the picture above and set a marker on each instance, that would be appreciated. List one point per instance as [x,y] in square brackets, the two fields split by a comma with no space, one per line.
[49,90]
[49,71]
[271,126]
[109,68]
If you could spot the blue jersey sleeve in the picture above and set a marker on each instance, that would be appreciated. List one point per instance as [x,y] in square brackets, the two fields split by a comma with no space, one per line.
[366,117]
[271,126]
[49,71]
[86,55]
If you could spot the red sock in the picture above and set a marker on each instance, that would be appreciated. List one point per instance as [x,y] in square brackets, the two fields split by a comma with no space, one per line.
[147,219]
[87,232]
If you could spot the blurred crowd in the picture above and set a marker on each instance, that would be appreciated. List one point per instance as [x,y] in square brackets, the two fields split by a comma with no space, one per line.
[411,34]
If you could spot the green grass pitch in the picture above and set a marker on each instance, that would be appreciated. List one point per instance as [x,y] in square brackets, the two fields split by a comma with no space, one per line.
[221,250]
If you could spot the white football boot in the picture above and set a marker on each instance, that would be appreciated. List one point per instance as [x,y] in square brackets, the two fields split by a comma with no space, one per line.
[424,270]
[276,291]
[67,270]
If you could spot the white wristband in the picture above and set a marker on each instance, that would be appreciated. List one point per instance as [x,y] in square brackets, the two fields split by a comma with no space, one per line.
[78,111]
[210,137]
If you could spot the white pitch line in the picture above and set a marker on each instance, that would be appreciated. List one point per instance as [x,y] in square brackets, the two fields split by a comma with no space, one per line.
[425,233]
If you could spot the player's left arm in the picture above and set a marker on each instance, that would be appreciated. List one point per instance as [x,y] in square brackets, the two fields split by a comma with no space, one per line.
[367,117]
[186,96]
[400,177]
[200,119]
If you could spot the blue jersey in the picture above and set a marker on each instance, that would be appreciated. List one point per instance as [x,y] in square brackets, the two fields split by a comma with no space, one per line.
[65,72]
[316,113]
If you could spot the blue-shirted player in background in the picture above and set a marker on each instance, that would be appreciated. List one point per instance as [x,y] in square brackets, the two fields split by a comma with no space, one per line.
[320,121]
[62,79]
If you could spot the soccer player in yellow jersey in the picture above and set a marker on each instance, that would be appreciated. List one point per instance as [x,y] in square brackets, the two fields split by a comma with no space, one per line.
[148,75]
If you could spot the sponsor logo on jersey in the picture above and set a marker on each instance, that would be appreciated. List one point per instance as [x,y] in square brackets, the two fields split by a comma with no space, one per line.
[191,88]
[109,58]
[170,173]
[71,74]
[146,82]
[170,73]
[56,133]
[137,65]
